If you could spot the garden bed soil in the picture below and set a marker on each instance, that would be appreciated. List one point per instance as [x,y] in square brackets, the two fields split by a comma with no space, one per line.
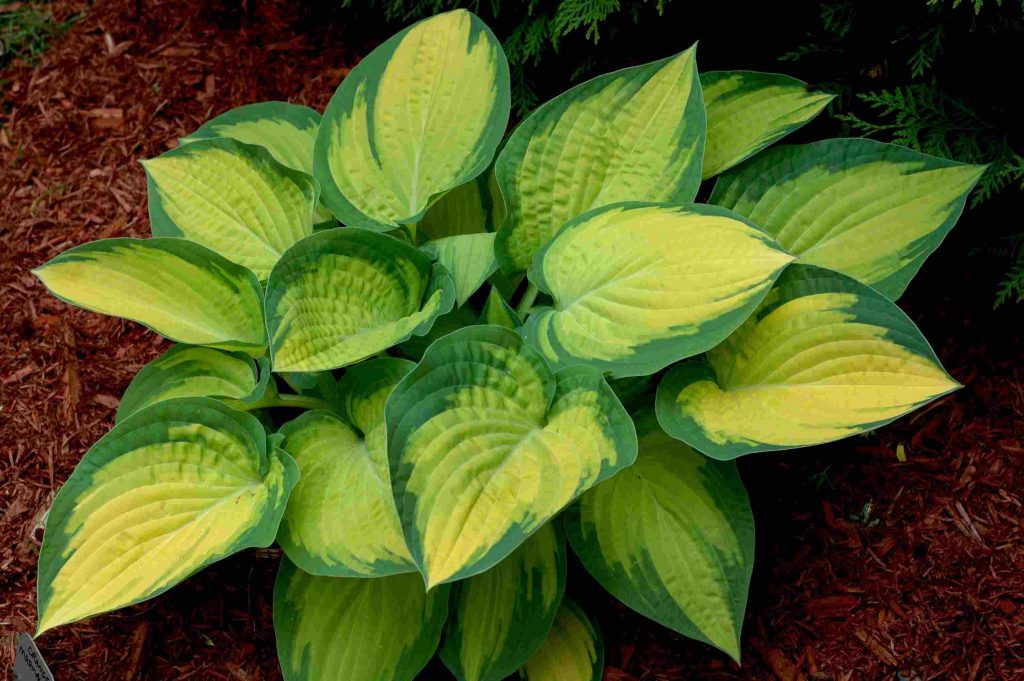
[896,555]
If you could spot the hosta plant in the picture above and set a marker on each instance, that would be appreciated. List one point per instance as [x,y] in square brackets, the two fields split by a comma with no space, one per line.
[429,358]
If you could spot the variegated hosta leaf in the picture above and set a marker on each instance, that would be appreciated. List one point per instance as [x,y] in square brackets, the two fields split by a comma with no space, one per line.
[497,312]
[748,110]
[486,445]
[168,491]
[179,289]
[632,135]
[341,519]
[470,259]
[573,650]
[638,286]
[364,390]
[871,210]
[420,115]
[233,198]
[823,357]
[345,294]
[192,371]
[500,617]
[470,208]
[287,131]
[672,537]
[351,629]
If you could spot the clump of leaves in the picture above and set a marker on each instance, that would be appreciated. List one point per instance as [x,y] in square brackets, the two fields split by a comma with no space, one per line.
[423,451]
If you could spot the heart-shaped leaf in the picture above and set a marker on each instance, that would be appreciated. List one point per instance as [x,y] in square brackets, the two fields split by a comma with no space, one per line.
[500,617]
[341,518]
[871,210]
[350,629]
[672,537]
[470,259]
[486,445]
[193,371]
[497,312]
[638,286]
[364,390]
[632,135]
[345,294]
[747,111]
[168,491]
[179,289]
[421,114]
[823,357]
[573,650]
[287,131]
[233,198]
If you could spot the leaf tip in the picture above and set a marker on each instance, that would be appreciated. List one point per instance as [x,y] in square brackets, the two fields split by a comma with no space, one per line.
[730,644]
[980,169]
[45,624]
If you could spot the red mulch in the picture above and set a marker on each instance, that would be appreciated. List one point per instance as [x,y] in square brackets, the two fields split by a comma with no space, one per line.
[867,567]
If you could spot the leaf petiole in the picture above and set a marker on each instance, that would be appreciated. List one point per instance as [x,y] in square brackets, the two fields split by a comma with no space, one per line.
[526,302]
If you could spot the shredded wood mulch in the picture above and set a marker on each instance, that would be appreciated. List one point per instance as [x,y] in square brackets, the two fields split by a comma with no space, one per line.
[897,555]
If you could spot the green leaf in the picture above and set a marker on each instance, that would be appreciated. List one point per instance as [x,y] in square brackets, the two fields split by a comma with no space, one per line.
[506,283]
[470,259]
[287,131]
[420,115]
[501,617]
[672,537]
[748,110]
[179,289]
[470,208]
[341,519]
[573,650]
[364,390]
[497,312]
[350,629]
[168,491]
[192,371]
[637,286]
[486,444]
[870,210]
[822,358]
[459,318]
[342,295]
[233,198]
[632,135]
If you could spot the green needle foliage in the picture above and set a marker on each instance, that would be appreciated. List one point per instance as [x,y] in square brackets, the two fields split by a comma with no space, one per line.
[429,358]
[915,74]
